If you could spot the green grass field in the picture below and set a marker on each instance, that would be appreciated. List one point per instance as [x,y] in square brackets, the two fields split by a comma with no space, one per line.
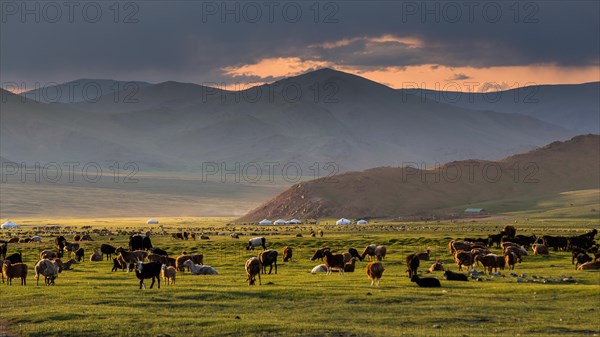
[93,301]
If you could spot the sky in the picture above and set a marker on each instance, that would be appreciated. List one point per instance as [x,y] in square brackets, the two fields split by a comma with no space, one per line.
[460,46]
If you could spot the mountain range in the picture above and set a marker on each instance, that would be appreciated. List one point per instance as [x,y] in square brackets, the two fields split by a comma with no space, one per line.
[517,182]
[324,116]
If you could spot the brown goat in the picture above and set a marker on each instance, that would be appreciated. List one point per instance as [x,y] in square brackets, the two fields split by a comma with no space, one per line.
[253,268]
[14,270]
[287,253]
[268,258]
[374,272]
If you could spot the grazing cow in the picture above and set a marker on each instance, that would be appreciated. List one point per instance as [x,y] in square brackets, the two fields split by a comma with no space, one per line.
[495,238]
[253,268]
[555,242]
[257,242]
[509,231]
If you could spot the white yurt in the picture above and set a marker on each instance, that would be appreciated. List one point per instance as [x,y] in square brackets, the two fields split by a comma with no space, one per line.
[279,222]
[361,222]
[9,225]
[152,221]
[265,222]
[294,222]
[342,221]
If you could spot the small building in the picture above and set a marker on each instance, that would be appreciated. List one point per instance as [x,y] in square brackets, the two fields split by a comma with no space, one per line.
[9,225]
[279,222]
[361,222]
[152,221]
[294,222]
[265,222]
[475,212]
[342,221]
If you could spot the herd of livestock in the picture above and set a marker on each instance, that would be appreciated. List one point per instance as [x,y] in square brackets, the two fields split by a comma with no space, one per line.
[149,262]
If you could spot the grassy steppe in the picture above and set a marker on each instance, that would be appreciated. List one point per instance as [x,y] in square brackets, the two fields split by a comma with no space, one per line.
[93,301]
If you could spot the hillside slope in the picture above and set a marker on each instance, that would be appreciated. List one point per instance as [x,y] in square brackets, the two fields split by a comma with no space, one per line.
[390,192]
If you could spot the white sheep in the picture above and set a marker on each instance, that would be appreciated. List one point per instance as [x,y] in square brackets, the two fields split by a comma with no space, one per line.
[198,269]
[322,268]
[48,269]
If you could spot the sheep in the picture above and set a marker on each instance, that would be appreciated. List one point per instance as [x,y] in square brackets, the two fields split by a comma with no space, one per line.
[287,253]
[64,265]
[198,269]
[107,250]
[322,268]
[3,250]
[412,262]
[426,282]
[540,249]
[157,258]
[489,261]
[14,270]
[374,272]
[437,266]
[350,266]
[424,256]
[136,242]
[463,258]
[15,258]
[256,242]
[96,256]
[333,261]
[168,274]
[48,269]
[369,250]
[380,252]
[511,259]
[517,250]
[509,231]
[159,251]
[79,254]
[197,258]
[47,254]
[234,236]
[582,258]
[455,246]
[354,253]
[119,263]
[36,238]
[320,253]
[131,258]
[71,248]
[253,268]
[86,237]
[574,252]
[593,265]
[268,258]
[76,237]
[148,270]
[13,240]
[452,276]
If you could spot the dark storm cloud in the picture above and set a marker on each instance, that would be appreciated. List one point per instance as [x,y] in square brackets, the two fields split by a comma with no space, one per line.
[192,41]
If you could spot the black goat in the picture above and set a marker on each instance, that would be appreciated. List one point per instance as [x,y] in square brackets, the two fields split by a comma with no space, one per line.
[15,258]
[426,282]
[107,250]
[148,270]
[354,253]
[159,251]
[452,276]
[136,242]
[3,250]
[79,254]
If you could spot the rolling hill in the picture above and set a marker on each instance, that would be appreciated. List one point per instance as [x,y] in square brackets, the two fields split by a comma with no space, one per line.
[573,106]
[510,184]
[334,117]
